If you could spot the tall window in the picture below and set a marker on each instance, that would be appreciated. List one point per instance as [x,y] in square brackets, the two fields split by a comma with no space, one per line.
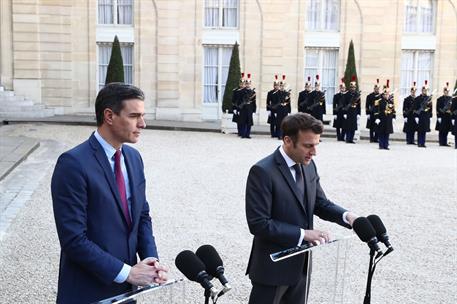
[216,66]
[322,62]
[416,66]
[104,54]
[323,15]
[419,16]
[115,11]
[221,13]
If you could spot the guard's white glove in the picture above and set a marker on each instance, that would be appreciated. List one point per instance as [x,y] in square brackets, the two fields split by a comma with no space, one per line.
[368,116]
[453,122]
[406,119]
[345,116]
[269,113]
[377,121]
[416,119]
[439,119]
[393,120]
[334,117]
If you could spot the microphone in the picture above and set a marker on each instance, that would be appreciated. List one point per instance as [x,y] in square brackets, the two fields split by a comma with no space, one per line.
[367,234]
[214,265]
[381,232]
[194,269]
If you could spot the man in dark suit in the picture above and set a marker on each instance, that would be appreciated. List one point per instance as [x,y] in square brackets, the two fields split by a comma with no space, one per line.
[283,194]
[100,208]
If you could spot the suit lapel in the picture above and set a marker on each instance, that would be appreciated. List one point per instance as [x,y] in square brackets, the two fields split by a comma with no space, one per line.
[285,171]
[100,155]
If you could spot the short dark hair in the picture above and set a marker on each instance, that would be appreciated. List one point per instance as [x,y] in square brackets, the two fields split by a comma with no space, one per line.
[294,123]
[112,97]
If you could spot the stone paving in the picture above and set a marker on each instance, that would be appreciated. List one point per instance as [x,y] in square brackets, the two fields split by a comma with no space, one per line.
[195,186]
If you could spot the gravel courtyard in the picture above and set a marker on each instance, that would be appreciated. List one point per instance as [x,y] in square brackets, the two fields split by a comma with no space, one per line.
[195,187]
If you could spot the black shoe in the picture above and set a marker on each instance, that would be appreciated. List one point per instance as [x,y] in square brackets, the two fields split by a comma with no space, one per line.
[445,145]
[247,137]
[422,146]
[350,142]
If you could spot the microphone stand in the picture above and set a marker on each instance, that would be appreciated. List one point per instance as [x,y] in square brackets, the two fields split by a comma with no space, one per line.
[371,268]
[207,295]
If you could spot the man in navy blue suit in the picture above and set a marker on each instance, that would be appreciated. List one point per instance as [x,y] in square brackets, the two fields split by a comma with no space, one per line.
[100,208]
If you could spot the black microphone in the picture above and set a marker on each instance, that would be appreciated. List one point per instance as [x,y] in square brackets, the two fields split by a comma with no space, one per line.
[194,269]
[381,232]
[214,265]
[367,234]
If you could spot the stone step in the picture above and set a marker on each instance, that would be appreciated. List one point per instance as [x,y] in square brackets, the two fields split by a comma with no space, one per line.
[31,113]
[6,93]
[7,103]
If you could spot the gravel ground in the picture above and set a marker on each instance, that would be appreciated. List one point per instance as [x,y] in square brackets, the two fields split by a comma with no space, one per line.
[196,184]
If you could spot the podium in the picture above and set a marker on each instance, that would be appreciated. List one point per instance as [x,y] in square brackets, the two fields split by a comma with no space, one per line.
[332,271]
[172,292]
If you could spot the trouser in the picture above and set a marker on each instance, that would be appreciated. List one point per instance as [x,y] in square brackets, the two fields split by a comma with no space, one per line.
[455,141]
[410,137]
[383,140]
[245,130]
[273,126]
[443,138]
[238,126]
[373,135]
[350,136]
[421,138]
[340,134]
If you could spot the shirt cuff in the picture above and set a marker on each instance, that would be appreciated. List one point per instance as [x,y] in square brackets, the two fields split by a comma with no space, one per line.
[345,219]
[302,236]
[123,274]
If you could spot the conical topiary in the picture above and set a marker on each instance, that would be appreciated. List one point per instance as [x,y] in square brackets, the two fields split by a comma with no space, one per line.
[233,77]
[115,72]
[350,67]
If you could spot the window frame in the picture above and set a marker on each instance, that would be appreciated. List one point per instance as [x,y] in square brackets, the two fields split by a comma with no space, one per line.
[99,84]
[220,25]
[323,4]
[419,18]
[114,7]
[405,91]
[220,66]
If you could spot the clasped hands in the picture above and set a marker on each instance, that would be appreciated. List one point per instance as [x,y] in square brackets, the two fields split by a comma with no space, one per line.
[146,272]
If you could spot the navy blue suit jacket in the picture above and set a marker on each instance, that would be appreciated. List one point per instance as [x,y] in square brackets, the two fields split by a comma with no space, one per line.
[94,238]
[275,213]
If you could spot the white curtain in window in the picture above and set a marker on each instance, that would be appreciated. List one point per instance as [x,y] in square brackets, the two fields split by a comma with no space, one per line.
[104,54]
[329,73]
[424,67]
[407,72]
[125,11]
[127,59]
[211,13]
[311,63]
[210,75]
[426,17]
[226,54]
[331,15]
[105,12]
[229,13]
[411,16]
[314,11]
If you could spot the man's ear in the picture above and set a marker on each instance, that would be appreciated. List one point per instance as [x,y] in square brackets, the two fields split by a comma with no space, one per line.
[108,116]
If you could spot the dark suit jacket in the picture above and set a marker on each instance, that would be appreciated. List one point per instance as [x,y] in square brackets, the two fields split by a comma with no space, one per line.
[275,213]
[94,238]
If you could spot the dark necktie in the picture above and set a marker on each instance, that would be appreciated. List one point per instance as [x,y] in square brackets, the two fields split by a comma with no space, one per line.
[121,186]
[299,179]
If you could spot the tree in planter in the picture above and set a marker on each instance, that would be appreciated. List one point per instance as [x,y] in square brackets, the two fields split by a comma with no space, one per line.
[350,67]
[115,72]
[233,79]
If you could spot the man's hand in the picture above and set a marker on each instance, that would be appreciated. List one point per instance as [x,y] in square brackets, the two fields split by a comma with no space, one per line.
[147,272]
[351,217]
[316,237]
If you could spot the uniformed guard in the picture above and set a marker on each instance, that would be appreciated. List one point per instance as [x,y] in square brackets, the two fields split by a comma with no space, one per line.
[317,98]
[236,100]
[284,104]
[247,107]
[454,119]
[443,113]
[384,114]
[351,111]
[338,103]
[369,110]
[423,112]
[272,107]
[410,125]
[304,97]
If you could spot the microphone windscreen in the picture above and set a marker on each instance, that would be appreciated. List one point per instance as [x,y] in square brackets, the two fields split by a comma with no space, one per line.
[189,264]
[363,229]
[210,258]
[377,224]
